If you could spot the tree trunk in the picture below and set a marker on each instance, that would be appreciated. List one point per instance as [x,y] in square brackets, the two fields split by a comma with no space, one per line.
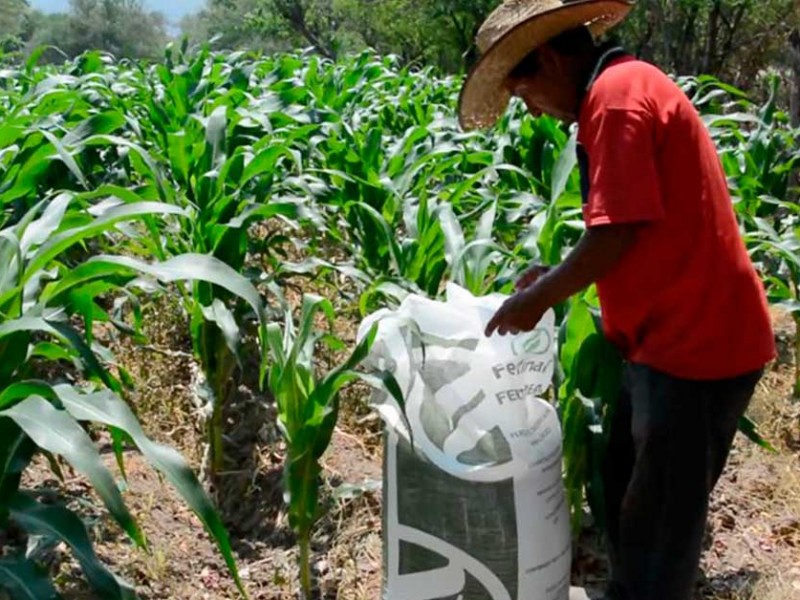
[294,12]
[710,52]
[656,15]
[794,56]
[686,49]
[794,117]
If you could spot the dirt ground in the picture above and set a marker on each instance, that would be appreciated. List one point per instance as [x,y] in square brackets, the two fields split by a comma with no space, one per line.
[753,543]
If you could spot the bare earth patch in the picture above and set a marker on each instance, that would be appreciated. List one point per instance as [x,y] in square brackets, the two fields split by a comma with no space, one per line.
[755,518]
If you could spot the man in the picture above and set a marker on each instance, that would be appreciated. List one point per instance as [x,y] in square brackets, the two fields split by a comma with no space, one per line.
[679,295]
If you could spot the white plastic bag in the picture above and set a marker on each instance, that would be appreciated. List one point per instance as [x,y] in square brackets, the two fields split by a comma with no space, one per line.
[474,505]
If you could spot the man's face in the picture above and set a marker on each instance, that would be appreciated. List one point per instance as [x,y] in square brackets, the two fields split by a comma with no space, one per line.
[548,88]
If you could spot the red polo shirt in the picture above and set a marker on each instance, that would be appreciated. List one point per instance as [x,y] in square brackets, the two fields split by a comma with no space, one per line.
[686,299]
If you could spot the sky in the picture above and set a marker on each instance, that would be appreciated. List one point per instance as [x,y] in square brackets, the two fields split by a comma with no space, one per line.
[174,10]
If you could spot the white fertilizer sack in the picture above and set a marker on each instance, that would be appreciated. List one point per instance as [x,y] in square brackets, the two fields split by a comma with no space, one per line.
[474,505]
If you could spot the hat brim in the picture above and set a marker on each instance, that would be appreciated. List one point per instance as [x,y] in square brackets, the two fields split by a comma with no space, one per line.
[484,97]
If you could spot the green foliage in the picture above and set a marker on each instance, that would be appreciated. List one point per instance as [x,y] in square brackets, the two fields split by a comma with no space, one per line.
[308,406]
[731,39]
[49,301]
[222,177]
[761,156]
[230,25]
[12,19]
[591,376]
[440,33]
[124,28]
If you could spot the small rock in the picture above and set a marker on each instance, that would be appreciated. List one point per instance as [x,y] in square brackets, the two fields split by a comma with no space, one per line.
[321,566]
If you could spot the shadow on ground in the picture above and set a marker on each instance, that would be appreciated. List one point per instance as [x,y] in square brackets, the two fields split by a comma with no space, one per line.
[738,585]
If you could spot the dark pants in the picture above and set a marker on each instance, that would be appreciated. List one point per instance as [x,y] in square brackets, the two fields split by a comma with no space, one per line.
[668,444]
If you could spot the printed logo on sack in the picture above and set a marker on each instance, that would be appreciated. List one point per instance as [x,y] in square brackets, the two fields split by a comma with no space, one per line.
[447,538]
[537,342]
[423,561]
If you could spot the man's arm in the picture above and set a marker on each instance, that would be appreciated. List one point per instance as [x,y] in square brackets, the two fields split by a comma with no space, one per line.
[597,252]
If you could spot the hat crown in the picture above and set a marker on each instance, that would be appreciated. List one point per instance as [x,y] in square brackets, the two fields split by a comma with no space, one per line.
[508,15]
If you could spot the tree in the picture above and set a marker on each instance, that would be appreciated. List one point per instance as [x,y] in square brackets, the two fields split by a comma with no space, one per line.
[462,19]
[731,39]
[123,28]
[392,27]
[12,13]
[441,33]
[438,32]
[47,29]
[316,22]
[235,25]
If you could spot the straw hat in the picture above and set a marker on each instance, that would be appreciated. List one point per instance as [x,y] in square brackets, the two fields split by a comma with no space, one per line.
[514,29]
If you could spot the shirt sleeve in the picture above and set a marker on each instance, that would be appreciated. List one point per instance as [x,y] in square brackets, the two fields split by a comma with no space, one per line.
[622,184]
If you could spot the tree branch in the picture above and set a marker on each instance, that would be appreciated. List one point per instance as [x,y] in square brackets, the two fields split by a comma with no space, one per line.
[294,12]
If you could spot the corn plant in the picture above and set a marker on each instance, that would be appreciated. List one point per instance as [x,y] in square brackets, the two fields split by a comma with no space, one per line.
[588,385]
[778,251]
[42,294]
[760,154]
[589,379]
[192,154]
[308,407]
[222,193]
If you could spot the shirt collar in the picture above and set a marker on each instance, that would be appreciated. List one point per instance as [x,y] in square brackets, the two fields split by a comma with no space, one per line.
[610,54]
[603,62]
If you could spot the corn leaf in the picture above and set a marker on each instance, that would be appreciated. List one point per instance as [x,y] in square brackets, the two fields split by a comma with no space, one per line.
[25,581]
[67,334]
[57,432]
[63,524]
[16,453]
[124,212]
[564,167]
[105,407]
[192,267]
[42,228]
[23,389]
[66,158]
[750,430]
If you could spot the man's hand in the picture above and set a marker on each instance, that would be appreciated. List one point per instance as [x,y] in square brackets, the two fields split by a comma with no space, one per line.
[521,312]
[530,276]
[599,250]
